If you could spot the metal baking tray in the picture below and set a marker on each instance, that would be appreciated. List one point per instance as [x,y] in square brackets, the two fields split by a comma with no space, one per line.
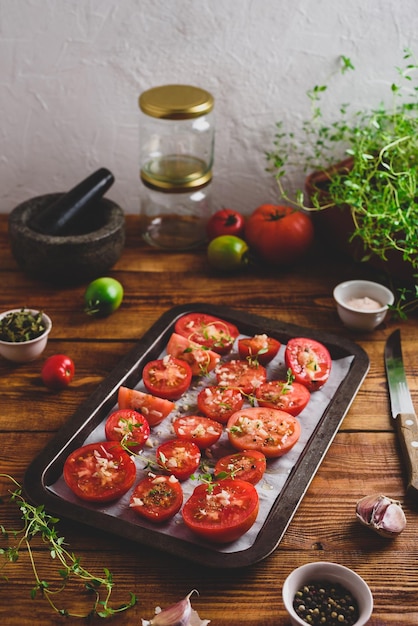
[280,504]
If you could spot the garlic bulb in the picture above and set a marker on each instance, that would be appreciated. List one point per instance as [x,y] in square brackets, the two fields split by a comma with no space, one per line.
[381,514]
[179,614]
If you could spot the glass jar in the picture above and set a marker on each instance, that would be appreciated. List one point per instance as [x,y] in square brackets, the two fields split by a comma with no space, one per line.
[175,217]
[176,133]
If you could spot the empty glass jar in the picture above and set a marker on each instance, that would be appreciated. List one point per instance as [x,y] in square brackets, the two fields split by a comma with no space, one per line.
[174,217]
[176,134]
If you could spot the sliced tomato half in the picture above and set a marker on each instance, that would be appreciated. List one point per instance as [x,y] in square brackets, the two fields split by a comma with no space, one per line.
[201,359]
[157,498]
[270,431]
[260,347]
[219,403]
[178,457]
[99,472]
[167,378]
[248,465]
[152,408]
[128,427]
[309,361]
[287,396]
[203,431]
[243,375]
[223,511]
[207,330]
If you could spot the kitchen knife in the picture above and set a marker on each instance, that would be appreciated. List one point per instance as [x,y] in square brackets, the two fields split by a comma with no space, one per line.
[402,409]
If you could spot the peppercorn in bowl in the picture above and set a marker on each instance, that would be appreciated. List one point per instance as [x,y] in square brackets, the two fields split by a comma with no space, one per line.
[327,593]
[23,334]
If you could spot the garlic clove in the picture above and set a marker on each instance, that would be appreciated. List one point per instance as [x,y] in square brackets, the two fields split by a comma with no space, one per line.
[179,614]
[382,514]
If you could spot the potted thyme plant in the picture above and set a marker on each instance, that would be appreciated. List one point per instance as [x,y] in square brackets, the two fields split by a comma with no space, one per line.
[363,174]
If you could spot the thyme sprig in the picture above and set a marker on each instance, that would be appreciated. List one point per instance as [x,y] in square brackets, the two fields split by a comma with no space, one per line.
[37,522]
[380,183]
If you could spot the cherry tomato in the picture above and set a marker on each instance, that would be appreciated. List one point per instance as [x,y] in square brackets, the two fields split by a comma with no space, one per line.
[260,347]
[203,431]
[103,296]
[200,359]
[280,235]
[225,222]
[287,396]
[154,409]
[270,431]
[309,361]
[248,465]
[219,403]
[157,498]
[99,472]
[128,427]
[180,458]
[58,371]
[167,378]
[209,331]
[244,375]
[228,253]
[221,512]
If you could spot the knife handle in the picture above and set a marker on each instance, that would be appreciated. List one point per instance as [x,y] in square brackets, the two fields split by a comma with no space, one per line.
[407,426]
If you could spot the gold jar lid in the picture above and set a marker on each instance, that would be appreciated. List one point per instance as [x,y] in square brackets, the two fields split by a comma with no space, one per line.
[175,102]
[173,187]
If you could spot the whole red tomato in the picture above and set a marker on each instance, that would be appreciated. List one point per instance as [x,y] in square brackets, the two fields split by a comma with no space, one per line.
[225,222]
[279,234]
[58,371]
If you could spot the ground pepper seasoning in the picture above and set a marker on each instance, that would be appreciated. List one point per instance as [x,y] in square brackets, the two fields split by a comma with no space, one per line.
[323,602]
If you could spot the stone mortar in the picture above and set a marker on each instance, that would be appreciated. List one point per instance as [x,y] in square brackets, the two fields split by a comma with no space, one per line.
[95,246]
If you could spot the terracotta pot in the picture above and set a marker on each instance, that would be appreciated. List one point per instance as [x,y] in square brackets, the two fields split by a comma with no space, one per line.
[335,226]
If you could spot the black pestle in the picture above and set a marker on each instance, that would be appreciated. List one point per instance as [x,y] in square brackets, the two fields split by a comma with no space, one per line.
[59,217]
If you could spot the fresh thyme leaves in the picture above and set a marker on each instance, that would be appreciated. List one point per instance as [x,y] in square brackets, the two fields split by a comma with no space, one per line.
[378,178]
[37,522]
[23,325]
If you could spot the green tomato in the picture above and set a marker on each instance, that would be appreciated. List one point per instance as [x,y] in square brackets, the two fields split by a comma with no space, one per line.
[228,253]
[103,296]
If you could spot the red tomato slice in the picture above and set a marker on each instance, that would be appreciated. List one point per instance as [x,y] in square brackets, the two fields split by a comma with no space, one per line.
[281,394]
[167,378]
[221,512]
[201,360]
[99,472]
[243,375]
[209,331]
[154,409]
[309,361]
[203,431]
[260,347]
[180,458]
[248,465]
[269,431]
[128,427]
[219,403]
[157,498]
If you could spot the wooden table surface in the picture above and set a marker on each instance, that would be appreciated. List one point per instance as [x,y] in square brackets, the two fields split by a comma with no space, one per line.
[364,457]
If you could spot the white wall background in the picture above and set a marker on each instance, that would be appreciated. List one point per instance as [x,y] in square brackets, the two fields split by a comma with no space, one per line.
[71,72]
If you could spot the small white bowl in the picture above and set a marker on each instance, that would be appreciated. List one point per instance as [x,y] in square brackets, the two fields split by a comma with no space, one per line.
[362,304]
[25,351]
[331,572]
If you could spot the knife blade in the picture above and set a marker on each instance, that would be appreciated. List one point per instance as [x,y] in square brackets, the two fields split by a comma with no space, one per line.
[402,408]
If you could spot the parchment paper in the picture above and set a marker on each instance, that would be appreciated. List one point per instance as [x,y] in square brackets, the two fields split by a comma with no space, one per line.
[269,487]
